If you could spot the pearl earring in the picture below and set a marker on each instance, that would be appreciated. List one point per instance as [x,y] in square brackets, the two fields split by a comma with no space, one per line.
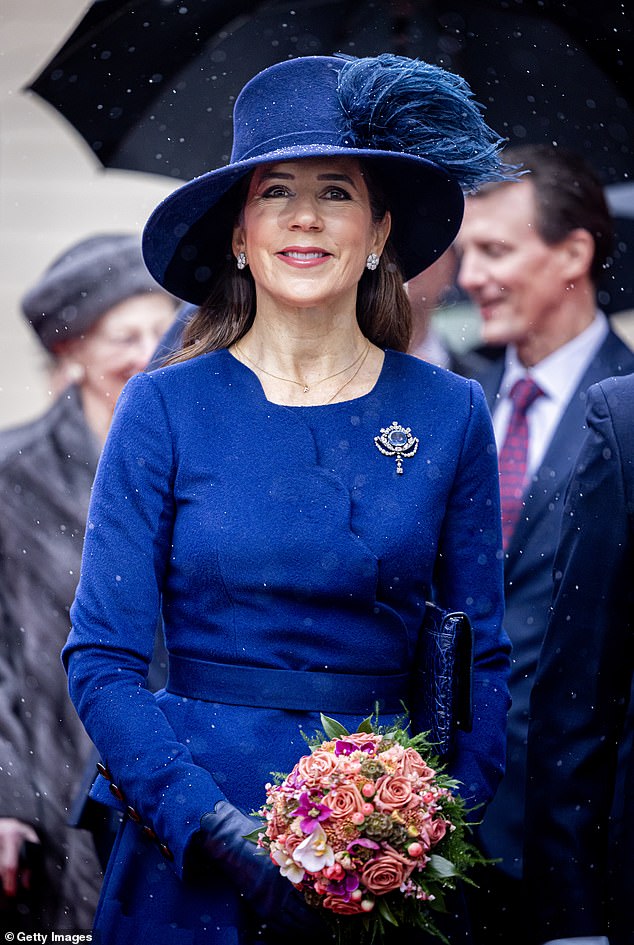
[241,260]
[372,262]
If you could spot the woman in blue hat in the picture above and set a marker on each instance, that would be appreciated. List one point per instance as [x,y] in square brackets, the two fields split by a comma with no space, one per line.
[287,493]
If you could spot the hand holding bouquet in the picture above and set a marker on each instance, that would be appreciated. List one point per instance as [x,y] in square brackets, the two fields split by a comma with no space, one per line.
[366,826]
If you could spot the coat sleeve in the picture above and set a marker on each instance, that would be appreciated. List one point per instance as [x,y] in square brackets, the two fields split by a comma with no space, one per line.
[17,795]
[469,576]
[581,689]
[114,617]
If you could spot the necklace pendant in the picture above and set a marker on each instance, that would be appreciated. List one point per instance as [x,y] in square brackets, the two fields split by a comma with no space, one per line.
[306,388]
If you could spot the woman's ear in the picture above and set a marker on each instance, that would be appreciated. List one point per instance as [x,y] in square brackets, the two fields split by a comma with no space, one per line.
[69,364]
[237,240]
[66,349]
[381,233]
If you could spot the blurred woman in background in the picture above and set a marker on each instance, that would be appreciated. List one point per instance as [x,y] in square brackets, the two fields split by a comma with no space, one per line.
[99,315]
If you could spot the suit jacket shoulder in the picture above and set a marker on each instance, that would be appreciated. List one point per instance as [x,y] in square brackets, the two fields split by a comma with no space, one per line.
[613,399]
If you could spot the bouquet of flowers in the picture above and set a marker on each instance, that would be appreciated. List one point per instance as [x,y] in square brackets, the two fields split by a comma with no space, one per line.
[367,826]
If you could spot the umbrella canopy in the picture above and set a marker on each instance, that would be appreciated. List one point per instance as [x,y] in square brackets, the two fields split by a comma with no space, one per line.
[150,84]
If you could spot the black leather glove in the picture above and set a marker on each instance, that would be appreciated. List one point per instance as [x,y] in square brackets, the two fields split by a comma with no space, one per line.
[279,906]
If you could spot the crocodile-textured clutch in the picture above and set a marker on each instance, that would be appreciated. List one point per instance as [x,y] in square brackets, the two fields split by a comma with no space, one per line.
[442,684]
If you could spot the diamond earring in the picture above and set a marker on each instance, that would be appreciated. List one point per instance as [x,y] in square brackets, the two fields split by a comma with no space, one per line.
[372,262]
[241,260]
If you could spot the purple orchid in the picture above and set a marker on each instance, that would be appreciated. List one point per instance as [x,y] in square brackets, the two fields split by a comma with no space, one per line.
[344,887]
[311,812]
[343,747]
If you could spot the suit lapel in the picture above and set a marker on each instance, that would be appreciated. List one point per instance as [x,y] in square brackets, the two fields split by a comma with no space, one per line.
[551,479]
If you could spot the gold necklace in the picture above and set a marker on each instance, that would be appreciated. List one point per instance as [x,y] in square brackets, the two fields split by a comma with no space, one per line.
[350,379]
[305,388]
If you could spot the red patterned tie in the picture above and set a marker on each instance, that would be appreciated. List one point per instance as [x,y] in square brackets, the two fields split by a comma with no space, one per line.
[513,455]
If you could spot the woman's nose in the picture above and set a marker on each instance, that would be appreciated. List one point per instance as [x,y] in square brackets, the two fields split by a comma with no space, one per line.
[147,348]
[304,214]
[140,351]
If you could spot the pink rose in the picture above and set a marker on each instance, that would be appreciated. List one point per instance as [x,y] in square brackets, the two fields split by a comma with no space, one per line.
[412,765]
[345,800]
[435,831]
[341,907]
[393,792]
[413,807]
[290,842]
[363,738]
[316,767]
[431,830]
[386,872]
[392,757]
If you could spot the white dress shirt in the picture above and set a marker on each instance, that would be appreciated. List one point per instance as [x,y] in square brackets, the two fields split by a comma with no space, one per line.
[558,376]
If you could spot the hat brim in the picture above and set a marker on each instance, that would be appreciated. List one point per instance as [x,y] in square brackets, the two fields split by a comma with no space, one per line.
[189,234]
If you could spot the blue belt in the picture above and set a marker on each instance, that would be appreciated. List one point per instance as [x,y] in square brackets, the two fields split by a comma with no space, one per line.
[290,689]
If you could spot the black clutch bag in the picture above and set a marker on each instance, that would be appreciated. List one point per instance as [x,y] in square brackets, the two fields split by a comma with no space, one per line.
[442,698]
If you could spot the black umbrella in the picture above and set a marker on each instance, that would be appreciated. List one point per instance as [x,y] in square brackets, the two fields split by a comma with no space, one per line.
[150,84]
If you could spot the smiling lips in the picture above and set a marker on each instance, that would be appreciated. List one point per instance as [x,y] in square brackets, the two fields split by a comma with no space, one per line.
[488,307]
[303,257]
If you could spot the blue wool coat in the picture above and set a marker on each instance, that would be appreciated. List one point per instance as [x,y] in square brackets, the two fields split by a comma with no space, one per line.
[277,537]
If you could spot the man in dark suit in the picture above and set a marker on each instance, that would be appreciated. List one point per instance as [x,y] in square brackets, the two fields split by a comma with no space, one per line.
[531,254]
[580,757]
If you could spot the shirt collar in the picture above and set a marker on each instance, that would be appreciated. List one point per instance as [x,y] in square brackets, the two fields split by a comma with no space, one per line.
[559,373]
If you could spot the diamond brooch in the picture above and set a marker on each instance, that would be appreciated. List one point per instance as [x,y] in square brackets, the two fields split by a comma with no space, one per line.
[397,441]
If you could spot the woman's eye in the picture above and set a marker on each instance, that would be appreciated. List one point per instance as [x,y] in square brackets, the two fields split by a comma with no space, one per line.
[337,193]
[276,191]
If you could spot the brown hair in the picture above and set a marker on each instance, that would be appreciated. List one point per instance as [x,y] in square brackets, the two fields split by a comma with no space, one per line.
[568,196]
[383,309]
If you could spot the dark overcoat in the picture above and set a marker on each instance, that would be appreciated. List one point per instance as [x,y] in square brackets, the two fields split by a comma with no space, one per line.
[580,751]
[46,472]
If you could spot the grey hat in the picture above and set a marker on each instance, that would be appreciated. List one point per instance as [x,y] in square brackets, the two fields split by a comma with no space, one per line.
[82,284]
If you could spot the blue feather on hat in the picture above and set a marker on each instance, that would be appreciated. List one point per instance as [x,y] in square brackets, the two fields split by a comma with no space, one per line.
[393,103]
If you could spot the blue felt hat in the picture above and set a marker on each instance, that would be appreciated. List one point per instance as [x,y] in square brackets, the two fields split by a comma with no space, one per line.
[416,125]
